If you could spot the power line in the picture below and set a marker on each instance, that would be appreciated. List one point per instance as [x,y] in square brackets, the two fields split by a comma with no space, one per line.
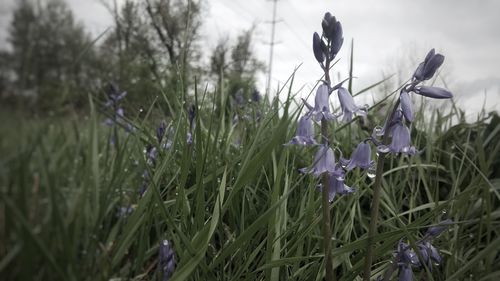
[271,49]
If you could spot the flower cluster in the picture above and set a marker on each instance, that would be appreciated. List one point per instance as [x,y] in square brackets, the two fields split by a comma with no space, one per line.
[113,101]
[395,125]
[425,254]
[166,259]
[326,48]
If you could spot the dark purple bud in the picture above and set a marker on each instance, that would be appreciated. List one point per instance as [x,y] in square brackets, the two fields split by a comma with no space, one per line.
[435,231]
[433,92]
[428,68]
[191,115]
[337,40]
[432,65]
[325,23]
[361,157]
[405,101]
[256,97]
[318,50]
[429,55]
[305,132]
[166,260]
[160,131]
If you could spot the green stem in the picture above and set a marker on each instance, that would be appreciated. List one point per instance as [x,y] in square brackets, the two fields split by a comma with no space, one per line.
[377,187]
[325,202]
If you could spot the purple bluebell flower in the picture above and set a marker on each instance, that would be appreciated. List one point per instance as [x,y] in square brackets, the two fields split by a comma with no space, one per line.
[114,96]
[429,66]
[189,138]
[151,154]
[166,259]
[433,92]
[361,157]
[324,161]
[321,107]
[397,117]
[400,142]
[348,106]
[405,273]
[160,131]
[305,132]
[337,185]
[406,107]
[428,253]
[256,97]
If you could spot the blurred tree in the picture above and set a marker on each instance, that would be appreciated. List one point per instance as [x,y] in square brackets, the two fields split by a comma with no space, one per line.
[235,67]
[49,54]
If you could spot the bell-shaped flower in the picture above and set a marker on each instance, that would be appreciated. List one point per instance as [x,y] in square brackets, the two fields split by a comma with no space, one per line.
[336,185]
[433,92]
[401,142]
[361,157]
[321,107]
[348,106]
[166,259]
[389,124]
[429,66]
[406,108]
[305,132]
[324,161]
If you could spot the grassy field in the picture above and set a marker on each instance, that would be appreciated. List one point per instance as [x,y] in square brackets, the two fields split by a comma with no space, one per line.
[232,202]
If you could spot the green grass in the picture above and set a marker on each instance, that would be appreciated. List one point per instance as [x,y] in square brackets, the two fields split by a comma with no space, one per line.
[233,203]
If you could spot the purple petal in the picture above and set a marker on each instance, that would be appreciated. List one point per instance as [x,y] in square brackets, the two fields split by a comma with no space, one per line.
[405,273]
[401,142]
[433,92]
[435,231]
[406,106]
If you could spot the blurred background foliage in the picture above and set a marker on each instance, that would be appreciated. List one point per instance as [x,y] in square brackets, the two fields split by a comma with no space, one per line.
[153,46]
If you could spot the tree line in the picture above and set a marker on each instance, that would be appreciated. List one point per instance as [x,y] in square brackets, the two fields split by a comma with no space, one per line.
[153,47]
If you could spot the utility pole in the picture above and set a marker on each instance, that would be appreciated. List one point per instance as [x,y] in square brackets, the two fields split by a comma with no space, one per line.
[271,49]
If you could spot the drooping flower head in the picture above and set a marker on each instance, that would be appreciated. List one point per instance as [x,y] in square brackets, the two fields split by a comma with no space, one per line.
[321,107]
[324,161]
[361,157]
[349,108]
[336,182]
[166,259]
[305,132]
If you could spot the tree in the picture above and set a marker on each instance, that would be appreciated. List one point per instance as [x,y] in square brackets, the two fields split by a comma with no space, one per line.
[50,53]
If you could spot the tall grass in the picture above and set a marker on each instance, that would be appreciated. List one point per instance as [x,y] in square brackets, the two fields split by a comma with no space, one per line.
[232,202]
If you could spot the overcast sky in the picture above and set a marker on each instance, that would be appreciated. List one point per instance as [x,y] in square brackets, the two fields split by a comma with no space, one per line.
[389,36]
